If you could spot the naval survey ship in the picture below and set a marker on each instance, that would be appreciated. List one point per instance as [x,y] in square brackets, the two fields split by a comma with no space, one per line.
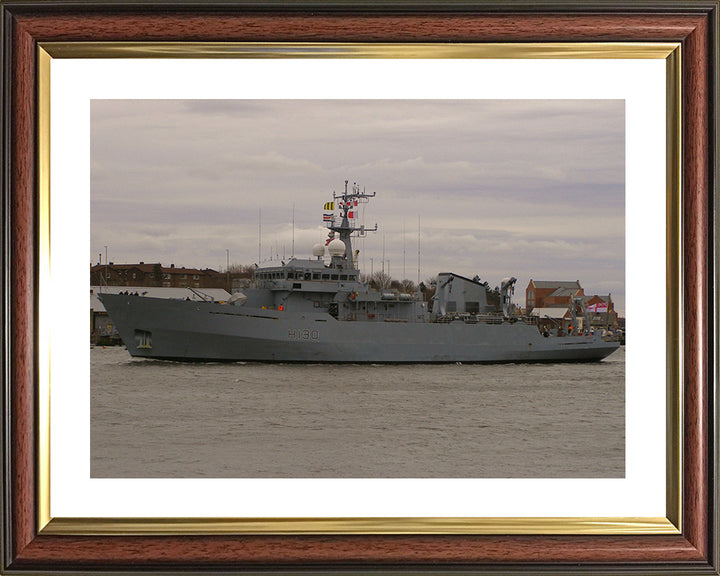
[321,309]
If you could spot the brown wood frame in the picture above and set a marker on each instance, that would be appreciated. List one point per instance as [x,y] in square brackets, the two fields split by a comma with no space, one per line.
[692,23]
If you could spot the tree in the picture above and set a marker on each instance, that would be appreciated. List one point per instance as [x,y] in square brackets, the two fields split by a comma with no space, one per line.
[408,286]
[157,275]
[428,288]
[241,270]
[380,281]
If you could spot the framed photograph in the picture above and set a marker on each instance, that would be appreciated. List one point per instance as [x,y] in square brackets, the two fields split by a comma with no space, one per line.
[562,138]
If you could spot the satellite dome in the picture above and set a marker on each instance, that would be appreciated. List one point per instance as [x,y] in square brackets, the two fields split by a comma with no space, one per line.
[318,250]
[336,247]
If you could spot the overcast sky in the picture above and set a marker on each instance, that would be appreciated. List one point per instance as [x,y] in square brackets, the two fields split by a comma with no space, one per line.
[528,188]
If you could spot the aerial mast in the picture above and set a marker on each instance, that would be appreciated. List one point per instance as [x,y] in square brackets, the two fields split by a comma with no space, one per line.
[418,282]
[348,204]
[403,231]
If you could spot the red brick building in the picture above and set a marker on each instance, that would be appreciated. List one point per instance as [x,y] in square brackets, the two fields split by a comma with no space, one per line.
[142,274]
[601,311]
[551,294]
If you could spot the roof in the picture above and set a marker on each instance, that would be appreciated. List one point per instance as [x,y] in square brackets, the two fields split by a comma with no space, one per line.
[551,312]
[542,284]
[155,292]
[587,299]
[150,268]
[184,271]
[564,292]
[478,282]
[142,267]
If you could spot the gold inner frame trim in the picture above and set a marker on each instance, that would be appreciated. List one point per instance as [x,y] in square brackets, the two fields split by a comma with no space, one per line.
[44,362]
[436,525]
[406,526]
[567,50]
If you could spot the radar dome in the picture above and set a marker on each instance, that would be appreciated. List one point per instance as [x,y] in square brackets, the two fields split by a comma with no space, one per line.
[318,250]
[336,247]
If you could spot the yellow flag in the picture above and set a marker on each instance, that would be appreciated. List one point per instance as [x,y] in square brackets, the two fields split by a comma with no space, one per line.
[329,206]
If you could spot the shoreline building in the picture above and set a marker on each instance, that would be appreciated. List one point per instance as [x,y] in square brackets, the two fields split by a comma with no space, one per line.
[601,311]
[551,293]
[156,275]
[551,300]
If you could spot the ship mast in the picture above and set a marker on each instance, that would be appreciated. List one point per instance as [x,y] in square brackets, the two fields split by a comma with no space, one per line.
[348,205]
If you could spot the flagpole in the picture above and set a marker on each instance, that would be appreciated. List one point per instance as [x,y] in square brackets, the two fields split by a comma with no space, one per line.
[607,314]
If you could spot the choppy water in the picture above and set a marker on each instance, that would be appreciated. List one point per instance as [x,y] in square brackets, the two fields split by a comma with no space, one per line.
[250,420]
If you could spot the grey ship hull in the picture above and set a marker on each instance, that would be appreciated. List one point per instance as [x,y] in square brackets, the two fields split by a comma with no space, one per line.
[185,330]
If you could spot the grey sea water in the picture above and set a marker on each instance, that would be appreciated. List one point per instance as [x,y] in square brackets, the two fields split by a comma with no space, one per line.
[157,419]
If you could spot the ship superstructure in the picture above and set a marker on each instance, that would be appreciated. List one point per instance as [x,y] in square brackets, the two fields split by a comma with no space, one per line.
[320,309]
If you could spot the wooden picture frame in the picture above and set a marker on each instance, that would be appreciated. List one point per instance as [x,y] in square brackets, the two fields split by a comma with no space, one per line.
[29,548]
